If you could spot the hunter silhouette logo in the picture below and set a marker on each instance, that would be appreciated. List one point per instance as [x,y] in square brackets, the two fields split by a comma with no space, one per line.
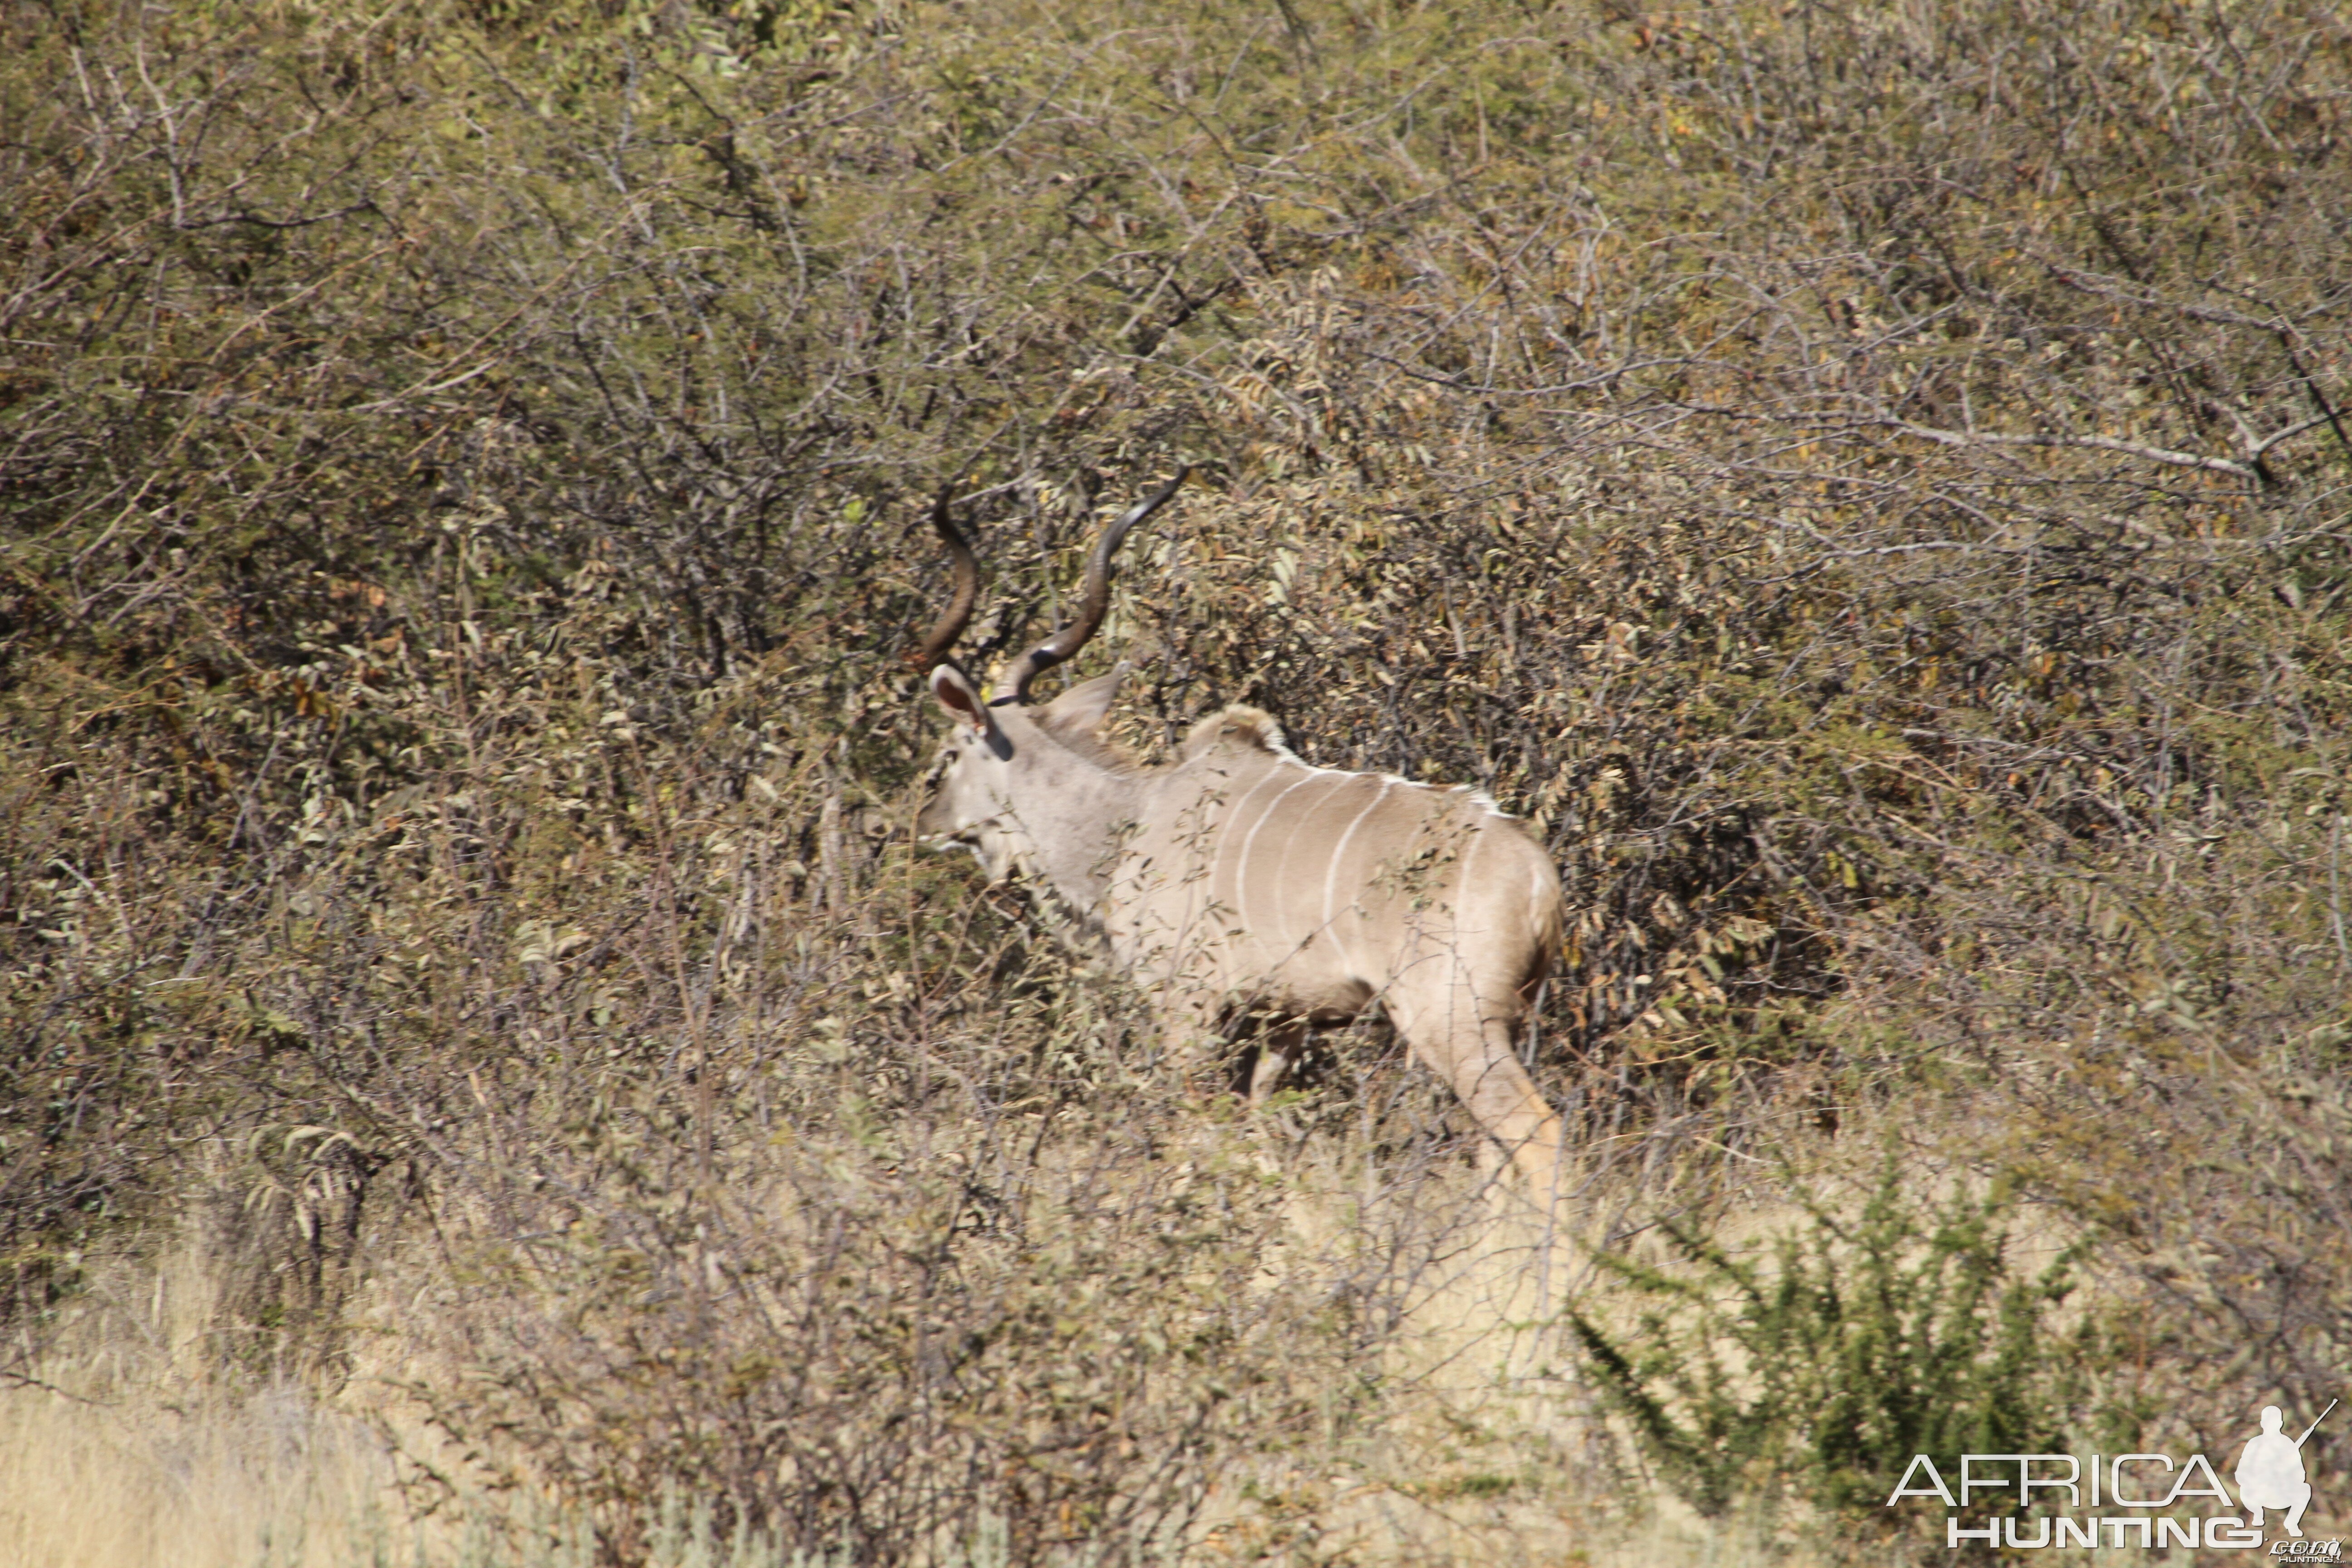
[2150,1500]
[2270,1472]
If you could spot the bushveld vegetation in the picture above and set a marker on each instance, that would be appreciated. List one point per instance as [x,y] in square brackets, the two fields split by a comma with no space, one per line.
[1867,482]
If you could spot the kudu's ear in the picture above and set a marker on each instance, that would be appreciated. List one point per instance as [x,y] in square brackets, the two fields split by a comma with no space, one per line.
[956,695]
[1082,709]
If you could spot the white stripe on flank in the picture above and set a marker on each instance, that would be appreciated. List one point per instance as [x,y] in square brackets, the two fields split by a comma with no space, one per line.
[1331,877]
[1226,829]
[1241,888]
[1313,813]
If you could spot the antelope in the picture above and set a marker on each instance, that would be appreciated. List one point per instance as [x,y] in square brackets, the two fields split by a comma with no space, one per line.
[1239,878]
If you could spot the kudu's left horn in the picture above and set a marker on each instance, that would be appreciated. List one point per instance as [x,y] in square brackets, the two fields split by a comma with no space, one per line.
[950,624]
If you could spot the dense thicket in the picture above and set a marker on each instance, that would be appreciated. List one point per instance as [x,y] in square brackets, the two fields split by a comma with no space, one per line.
[1868,481]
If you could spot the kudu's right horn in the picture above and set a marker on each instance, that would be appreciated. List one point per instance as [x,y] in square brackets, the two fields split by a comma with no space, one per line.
[1094,597]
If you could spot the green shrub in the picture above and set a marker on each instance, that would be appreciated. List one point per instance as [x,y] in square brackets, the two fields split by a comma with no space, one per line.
[1818,1371]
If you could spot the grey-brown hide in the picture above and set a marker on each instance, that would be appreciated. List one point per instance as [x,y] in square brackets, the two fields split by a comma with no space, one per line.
[1239,877]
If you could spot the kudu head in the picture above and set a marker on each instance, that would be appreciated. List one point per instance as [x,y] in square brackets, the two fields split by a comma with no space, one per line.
[1009,767]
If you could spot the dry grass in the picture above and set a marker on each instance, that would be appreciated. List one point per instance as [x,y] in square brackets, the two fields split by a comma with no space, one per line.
[126,1445]
[147,1483]
[124,1451]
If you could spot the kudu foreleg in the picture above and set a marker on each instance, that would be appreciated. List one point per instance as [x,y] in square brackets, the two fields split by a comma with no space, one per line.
[1279,1046]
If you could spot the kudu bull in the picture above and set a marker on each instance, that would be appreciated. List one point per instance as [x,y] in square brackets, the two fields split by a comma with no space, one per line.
[1238,878]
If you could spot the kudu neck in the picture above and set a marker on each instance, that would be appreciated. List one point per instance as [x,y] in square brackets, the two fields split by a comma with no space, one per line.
[1073,807]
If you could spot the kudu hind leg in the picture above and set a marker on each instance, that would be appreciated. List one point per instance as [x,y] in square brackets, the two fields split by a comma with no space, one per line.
[1515,1115]
[1476,1057]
